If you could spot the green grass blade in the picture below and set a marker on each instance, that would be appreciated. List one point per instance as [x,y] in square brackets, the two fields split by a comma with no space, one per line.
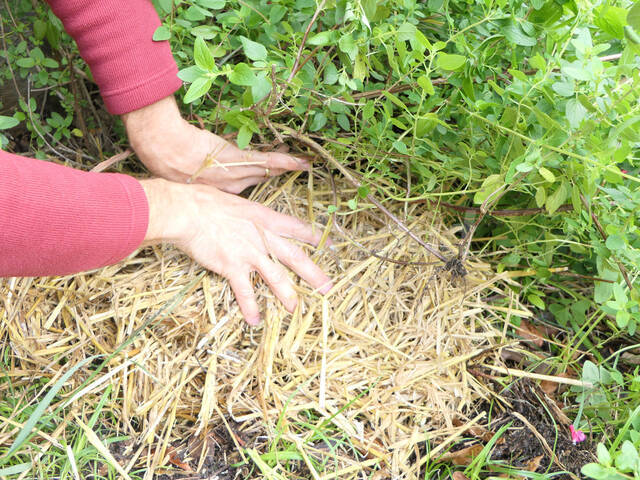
[42,406]
[15,469]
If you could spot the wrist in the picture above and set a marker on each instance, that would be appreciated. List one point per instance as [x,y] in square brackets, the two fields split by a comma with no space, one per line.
[155,132]
[169,212]
[159,117]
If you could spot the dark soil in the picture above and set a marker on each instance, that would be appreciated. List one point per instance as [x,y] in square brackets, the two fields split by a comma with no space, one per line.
[522,445]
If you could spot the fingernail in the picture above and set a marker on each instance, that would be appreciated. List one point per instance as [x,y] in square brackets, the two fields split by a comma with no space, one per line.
[253,321]
[326,288]
[303,163]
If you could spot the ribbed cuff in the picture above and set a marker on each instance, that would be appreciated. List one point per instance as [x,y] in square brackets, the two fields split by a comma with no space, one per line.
[156,88]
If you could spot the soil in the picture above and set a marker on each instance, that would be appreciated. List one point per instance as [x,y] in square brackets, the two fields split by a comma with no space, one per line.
[523,442]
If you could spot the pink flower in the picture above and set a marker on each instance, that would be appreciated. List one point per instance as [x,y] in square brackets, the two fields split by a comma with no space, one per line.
[577,436]
[623,170]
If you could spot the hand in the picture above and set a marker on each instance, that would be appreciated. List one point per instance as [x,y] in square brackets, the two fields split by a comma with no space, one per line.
[233,237]
[172,148]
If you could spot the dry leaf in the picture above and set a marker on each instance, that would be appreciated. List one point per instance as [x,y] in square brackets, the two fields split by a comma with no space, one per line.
[477,431]
[463,456]
[174,459]
[459,476]
[531,332]
[533,464]
[548,387]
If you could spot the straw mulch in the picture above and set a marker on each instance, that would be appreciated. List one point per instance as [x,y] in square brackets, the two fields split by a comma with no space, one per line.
[380,364]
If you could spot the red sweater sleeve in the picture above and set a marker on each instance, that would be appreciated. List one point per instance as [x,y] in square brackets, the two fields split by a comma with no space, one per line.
[115,37]
[55,220]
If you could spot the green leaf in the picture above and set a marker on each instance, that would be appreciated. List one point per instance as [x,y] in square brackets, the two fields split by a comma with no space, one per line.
[591,374]
[207,32]
[348,46]
[547,174]
[165,5]
[604,456]
[343,121]
[451,62]
[212,4]
[39,29]
[536,301]
[557,198]
[190,74]
[161,34]
[50,63]
[596,471]
[425,83]
[25,62]
[322,38]
[611,19]
[633,18]
[631,35]
[7,122]
[541,196]
[615,242]
[244,136]
[319,120]
[261,87]
[565,89]
[577,72]
[253,50]
[242,75]
[575,112]
[514,33]
[197,89]
[622,318]
[627,459]
[202,55]
[489,185]
[538,62]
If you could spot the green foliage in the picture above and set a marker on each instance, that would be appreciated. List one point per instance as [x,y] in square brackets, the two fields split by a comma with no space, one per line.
[503,104]
[621,460]
[518,105]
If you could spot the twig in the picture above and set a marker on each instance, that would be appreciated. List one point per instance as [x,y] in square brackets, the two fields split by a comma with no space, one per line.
[355,182]
[492,199]
[294,69]
[109,162]
[603,234]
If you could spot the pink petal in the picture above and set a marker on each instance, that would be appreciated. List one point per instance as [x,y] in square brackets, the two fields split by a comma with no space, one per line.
[577,436]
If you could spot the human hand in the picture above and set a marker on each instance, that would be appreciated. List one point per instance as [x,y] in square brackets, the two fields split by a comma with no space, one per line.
[172,148]
[233,237]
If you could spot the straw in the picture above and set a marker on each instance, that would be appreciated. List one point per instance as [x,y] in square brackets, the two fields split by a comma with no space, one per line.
[381,361]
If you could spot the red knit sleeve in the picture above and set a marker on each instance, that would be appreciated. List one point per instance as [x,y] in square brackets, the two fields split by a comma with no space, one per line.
[115,37]
[55,220]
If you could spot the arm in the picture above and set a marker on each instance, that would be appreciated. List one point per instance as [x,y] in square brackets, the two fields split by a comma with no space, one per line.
[137,78]
[55,220]
[115,37]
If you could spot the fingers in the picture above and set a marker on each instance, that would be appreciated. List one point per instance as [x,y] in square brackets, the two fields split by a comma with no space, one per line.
[297,260]
[279,161]
[286,225]
[276,277]
[246,297]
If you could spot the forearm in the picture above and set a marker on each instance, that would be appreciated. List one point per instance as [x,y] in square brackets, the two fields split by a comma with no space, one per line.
[115,37]
[56,221]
